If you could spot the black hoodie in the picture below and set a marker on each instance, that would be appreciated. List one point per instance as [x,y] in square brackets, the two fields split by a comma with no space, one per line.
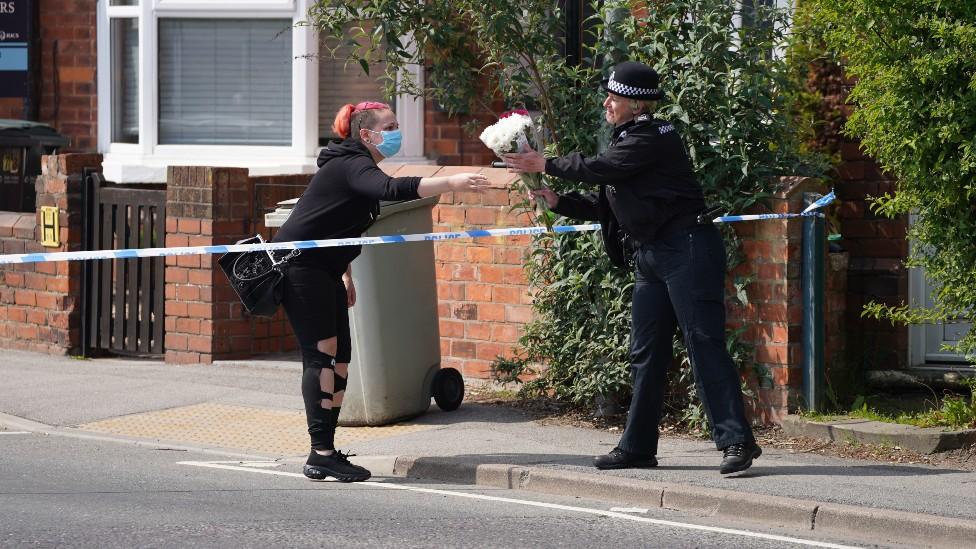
[342,201]
[645,182]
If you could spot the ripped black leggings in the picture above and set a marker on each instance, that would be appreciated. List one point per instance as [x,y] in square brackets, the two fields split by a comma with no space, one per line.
[315,302]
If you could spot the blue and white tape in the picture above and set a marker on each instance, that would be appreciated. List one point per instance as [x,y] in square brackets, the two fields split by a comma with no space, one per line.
[758,217]
[131,253]
[299,244]
[823,201]
[809,211]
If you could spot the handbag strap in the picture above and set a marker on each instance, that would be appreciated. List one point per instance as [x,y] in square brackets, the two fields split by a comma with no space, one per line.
[292,254]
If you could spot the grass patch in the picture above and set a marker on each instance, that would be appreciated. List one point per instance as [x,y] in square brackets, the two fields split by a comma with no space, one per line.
[489,393]
[951,411]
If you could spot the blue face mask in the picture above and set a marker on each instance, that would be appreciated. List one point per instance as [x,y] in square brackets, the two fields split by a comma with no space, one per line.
[391,142]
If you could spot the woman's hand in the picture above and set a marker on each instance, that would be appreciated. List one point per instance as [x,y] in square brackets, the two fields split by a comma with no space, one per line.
[467,182]
[546,194]
[527,161]
[350,289]
[474,182]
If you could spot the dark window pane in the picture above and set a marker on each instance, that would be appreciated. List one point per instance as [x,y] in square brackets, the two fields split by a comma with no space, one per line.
[124,35]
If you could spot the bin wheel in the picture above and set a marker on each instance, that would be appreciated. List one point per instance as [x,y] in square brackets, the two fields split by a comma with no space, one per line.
[448,389]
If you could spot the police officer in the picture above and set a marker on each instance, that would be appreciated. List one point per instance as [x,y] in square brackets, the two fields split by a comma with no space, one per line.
[651,208]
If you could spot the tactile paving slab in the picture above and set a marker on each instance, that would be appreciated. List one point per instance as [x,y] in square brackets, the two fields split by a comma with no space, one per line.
[277,432]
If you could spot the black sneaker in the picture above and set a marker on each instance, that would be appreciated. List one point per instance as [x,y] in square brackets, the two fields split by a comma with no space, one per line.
[621,459]
[739,456]
[337,466]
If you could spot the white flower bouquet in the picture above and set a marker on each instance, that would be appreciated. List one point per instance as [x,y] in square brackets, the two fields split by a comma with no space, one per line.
[513,131]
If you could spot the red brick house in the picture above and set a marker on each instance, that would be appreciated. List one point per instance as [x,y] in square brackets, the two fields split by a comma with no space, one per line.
[165,97]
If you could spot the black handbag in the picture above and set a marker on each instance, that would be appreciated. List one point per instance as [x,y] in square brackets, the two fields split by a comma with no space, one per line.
[256,276]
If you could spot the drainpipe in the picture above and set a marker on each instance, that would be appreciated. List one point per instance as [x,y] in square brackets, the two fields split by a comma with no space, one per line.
[813,308]
[32,95]
[574,27]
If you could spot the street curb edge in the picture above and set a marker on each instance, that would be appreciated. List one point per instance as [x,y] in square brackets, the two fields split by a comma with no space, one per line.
[808,515]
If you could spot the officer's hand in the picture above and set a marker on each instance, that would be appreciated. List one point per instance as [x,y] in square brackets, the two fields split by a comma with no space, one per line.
[546,194]
[527,161]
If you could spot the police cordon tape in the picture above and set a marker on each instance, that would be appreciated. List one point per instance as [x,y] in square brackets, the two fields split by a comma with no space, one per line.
[298,244]
[132,253]
[809,211]
[759,217]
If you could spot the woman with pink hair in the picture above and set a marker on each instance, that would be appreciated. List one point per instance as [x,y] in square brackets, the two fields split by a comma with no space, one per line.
[342,201]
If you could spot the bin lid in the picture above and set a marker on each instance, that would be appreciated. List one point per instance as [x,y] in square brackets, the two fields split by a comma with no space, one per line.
[20,133]
[287,204]
[390,208]
[386,207]
[278,217]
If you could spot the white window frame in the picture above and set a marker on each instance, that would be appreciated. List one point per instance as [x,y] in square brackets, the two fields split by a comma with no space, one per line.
[924,350]
[780,51]
[147,160]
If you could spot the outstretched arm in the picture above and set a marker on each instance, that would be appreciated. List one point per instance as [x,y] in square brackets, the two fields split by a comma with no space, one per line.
[617,163]
[430,186]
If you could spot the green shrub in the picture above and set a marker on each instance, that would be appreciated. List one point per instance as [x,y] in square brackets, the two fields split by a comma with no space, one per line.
[915,95]
[729,97]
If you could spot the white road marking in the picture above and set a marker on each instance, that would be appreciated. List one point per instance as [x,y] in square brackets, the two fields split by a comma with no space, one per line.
[640,510]
[15,433]
[529,503]
[254,464]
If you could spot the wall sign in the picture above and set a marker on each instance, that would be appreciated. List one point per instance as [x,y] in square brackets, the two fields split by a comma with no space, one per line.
[50,228]
[15,40]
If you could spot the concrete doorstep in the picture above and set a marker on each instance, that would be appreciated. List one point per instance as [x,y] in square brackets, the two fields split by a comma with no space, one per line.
[827,518]
[923,440]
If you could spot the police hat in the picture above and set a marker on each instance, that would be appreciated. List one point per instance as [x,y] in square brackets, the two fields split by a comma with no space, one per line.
[633,80]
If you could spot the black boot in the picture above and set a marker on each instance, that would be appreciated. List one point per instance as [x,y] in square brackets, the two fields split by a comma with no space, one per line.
[621,459]
[739,456]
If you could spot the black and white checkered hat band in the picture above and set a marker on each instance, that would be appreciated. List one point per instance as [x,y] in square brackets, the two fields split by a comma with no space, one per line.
[625,90]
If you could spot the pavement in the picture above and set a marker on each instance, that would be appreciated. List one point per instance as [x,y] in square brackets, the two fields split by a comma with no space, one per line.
[253,410]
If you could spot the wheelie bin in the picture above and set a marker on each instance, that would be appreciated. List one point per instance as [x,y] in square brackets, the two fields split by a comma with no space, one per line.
[22,144]
[395,367]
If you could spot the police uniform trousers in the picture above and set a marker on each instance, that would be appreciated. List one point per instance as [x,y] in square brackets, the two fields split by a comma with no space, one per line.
[680,281]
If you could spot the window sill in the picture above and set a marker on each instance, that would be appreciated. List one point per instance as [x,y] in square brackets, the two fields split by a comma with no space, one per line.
[138,168]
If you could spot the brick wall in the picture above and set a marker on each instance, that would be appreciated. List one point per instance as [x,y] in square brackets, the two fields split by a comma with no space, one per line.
[835,316]
[449,143]
[273,335]
[205,321]
[40,308]
[483,294]
[67,94]
[13,108]
[772,259]
[877,247]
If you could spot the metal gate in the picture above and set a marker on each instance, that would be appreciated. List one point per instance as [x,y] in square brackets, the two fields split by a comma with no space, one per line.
[123,301]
